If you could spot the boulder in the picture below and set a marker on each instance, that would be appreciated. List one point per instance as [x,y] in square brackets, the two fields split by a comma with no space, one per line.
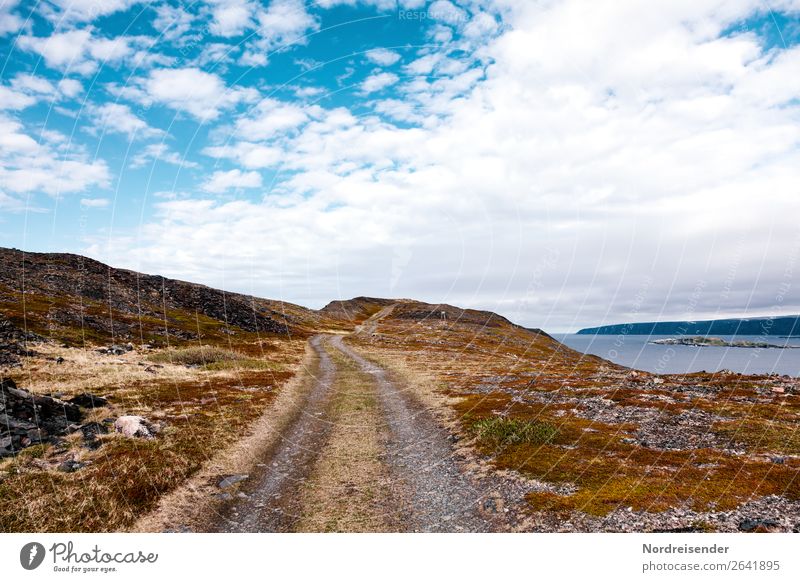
[29,419]
[134,427]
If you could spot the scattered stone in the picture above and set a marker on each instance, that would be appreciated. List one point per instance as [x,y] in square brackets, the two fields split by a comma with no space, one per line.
[90,432]
[230,480]
[116,349]
[13,343]
[70,466]
[134,427]
[758,525]
[87,400]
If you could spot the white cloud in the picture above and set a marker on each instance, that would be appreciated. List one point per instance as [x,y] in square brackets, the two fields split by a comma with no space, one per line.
[382,56]
[268,119]
[11,204]
[248,155]
[446,12]
[86,10]
[118,118]
[26,90]
[95,202]
[378,81]
[303,92]
[160,152]
[28,166]
[480,25]
[79,51]
[65,50]
[285,21]
[215,54]
[32,84]
[70,87]
[221,181]
[231,17]
[11,99]
[190,89]
[173,22]
[10,22]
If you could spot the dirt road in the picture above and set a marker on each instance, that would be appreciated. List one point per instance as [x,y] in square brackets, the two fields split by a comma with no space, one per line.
[363,455]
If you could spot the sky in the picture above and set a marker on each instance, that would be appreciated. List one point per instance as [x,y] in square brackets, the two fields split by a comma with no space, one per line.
[565,163]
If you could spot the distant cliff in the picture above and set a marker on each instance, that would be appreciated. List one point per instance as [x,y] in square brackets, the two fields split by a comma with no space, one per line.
[784,325]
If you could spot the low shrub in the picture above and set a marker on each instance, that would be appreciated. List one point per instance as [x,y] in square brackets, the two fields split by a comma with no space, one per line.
[498,431]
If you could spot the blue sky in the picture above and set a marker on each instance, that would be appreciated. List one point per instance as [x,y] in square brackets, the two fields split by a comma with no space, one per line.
[566,163]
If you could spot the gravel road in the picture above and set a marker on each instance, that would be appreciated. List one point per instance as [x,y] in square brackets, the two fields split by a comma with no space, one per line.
[430,491]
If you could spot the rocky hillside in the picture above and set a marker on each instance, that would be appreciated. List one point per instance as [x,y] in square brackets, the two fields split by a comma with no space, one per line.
[75,299]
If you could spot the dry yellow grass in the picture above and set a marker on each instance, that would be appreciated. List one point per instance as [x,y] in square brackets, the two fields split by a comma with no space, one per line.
[192,506]
[201,411]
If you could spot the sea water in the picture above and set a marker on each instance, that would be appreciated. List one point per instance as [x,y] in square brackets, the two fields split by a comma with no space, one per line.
[637,351]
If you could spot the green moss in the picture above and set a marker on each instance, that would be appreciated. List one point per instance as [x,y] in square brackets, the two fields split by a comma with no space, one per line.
[498,432]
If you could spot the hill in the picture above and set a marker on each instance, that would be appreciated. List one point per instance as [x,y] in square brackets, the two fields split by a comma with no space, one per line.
[784,325]
[75,299]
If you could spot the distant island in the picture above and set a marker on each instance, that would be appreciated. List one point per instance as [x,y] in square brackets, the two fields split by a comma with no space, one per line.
[788,325]
[699,341]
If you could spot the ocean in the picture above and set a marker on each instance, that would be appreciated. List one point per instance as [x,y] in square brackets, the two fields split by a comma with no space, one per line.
[635,351]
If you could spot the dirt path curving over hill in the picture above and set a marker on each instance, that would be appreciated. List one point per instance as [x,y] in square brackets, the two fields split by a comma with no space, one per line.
[363,456]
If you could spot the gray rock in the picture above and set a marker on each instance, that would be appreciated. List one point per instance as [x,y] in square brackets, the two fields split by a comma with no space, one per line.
[70,466]
[751,525]
[230,480]
[87,400]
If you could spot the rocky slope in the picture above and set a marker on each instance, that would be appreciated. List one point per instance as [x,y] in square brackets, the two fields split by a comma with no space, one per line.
[76,299]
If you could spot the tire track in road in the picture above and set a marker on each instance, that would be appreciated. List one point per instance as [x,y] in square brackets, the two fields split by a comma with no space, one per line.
[439,496]
[272,503]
